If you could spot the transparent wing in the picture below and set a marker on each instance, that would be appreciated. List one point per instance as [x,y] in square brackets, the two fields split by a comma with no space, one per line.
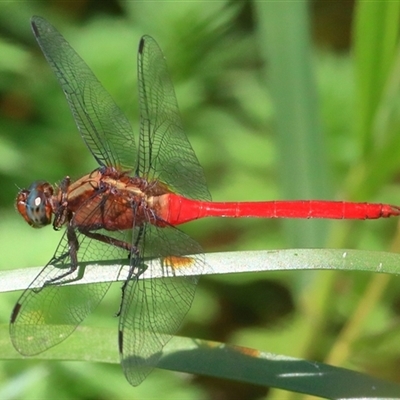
[164,150]
[49,310]
[153,309]
[103,126]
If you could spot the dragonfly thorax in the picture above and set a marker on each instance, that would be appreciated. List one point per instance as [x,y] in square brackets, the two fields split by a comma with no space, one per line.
[34,204]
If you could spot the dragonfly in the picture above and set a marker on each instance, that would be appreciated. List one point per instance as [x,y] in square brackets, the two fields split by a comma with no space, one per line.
[129,208]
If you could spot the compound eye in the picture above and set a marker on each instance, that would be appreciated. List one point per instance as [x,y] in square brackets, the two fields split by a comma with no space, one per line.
[34,204]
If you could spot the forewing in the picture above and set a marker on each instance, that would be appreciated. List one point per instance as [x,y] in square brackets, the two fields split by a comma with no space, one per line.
[103,126]
[153,309]
[164,150]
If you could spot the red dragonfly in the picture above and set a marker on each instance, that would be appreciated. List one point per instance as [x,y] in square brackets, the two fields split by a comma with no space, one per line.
[129,206]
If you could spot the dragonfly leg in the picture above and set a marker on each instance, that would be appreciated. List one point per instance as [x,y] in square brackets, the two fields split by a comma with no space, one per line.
[132,253]
[135,270]
[62,214]
[72,253]
[108,240]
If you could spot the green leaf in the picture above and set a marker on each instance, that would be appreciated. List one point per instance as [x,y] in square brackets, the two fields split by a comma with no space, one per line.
[222,360]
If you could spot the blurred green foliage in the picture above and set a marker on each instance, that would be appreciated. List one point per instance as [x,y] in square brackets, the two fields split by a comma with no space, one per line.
[217,59]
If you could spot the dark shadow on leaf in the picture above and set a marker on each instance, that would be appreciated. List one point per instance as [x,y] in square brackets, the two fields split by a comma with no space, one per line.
[251,366]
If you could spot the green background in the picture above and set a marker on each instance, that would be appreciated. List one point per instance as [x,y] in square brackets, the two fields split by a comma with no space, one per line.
[280,101]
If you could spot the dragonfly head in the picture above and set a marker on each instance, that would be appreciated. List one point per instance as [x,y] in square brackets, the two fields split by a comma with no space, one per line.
[35,204]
